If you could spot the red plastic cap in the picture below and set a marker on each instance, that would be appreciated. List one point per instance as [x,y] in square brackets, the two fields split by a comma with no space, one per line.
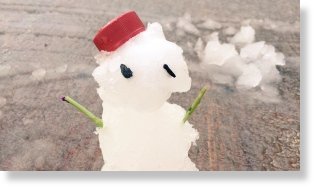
[118,31]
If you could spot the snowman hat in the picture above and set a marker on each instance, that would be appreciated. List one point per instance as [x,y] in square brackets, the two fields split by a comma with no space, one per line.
[118,31]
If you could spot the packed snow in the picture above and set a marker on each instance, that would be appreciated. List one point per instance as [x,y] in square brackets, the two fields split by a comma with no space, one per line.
[245,36]
[217,53]
[252,66]
[210,25]
[229,30]
[184,24]
[146,141]
[142,131]
[198,47]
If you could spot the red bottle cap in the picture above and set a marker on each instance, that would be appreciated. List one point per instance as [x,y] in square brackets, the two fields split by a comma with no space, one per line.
[118,31]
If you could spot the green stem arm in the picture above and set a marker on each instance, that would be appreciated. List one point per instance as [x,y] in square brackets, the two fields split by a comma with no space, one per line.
[79,107]
[195,104]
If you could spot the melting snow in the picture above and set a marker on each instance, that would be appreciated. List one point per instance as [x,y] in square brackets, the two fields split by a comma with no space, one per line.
[253,66]
[245,36]
[139,122]
[210,24]
[185,24]
[229,31]
[217,53]
[199,47]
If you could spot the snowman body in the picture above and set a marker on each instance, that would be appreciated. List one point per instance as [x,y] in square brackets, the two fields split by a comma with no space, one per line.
[142,131]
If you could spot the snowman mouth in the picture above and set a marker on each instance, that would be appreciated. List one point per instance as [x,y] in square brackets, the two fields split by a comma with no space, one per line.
[169,71]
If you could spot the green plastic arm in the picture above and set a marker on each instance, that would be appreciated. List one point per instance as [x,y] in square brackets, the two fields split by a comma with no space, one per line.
[195,104]
[79,107]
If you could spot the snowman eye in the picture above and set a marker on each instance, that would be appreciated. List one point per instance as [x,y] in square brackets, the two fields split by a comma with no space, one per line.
[169,71]
[126,72]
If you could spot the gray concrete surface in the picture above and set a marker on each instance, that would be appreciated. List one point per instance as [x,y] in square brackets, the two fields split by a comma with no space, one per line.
[39,132]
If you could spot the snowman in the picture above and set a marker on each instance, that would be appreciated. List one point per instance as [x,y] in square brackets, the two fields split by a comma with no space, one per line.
[138,70]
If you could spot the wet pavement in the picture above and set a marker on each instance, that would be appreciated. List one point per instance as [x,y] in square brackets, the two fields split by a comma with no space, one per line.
[46,52]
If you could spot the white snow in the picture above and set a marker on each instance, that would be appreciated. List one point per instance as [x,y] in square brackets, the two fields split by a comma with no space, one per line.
[254,66]
[185,24]
[252,51]
[199,47]
[251,77]
[143,55]
[146,141]
[234,66]
[270,90]
[39,74]
[245,36]
[229,31]
[217,53]
[141,130]
[210,24]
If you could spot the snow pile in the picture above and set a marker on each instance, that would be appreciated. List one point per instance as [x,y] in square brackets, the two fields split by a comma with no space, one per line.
[217,53]
[229,31]
[185,25]
[199,46]
[141,130]
[210,25]
[245,36]
[253,66]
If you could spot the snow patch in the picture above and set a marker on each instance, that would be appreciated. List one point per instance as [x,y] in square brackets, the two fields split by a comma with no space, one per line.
[217,53]
[199,47]
[185,24]
[254,66]
[210,25]
[245,36]
[229,30]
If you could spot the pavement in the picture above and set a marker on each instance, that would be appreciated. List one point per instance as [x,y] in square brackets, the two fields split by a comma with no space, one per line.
[46,52]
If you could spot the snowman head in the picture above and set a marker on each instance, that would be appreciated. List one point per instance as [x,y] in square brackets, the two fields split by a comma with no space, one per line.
[142,72]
